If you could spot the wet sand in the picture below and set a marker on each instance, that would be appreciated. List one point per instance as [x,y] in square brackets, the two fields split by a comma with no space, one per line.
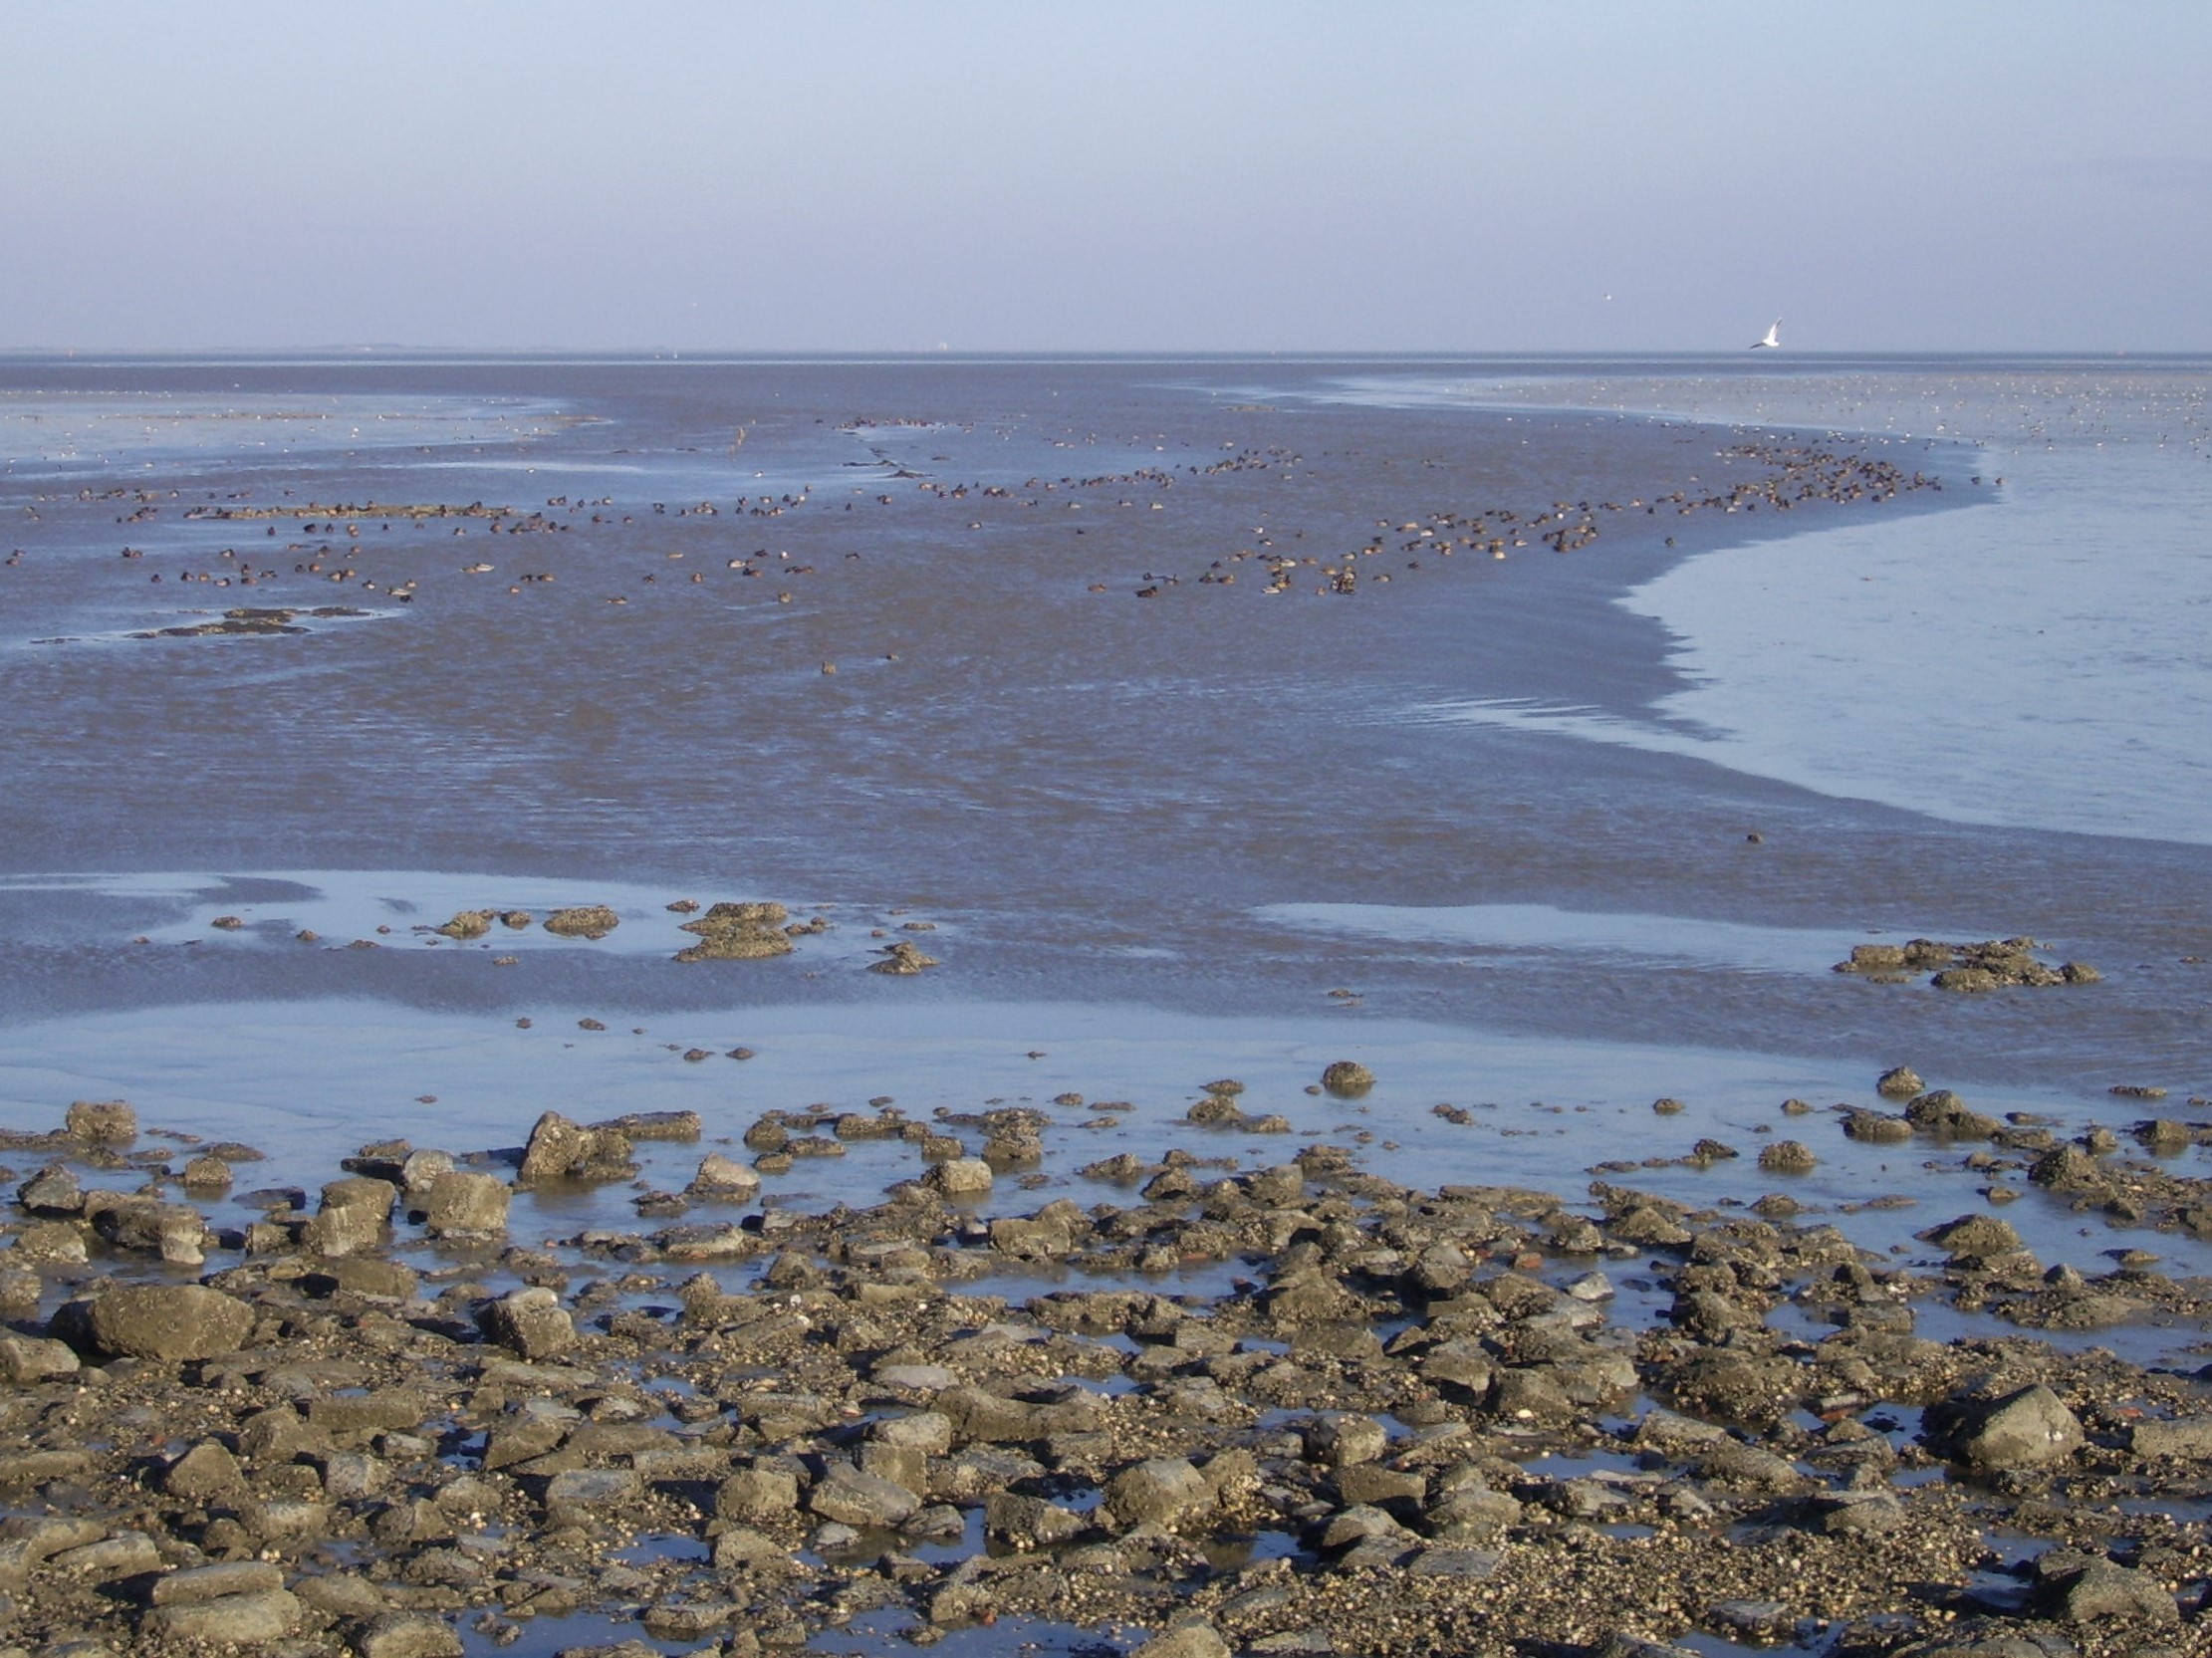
[961,671]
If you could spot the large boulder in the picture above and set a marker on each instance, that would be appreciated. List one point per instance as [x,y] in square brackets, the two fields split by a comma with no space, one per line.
[2028,1428]
[171,1321]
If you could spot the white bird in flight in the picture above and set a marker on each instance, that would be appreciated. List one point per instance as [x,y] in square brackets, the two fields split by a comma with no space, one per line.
[1774,336]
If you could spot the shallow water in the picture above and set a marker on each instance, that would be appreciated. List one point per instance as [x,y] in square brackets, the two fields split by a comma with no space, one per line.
[2037,661]
[1151,837]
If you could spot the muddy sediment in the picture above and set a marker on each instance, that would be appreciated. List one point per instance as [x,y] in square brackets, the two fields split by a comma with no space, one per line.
[1471,1419]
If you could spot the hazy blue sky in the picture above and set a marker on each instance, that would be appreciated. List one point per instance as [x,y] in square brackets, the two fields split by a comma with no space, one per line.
[1049,174]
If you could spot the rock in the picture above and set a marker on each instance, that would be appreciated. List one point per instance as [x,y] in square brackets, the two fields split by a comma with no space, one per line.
[408,1635]
[233,1620]
[531,1322]
[959,1177]
[1876,1128]
[2067,1168]
[1852,1514]
[2030,1428]
[2187,1438]
[353,1216]
[1449,1561]
[738,932]
[757,1494]
[857,1499]
[563,1151]
[176,1232]
[469,923]
[1974,1237]
[724,1178]
[1940,1111]
[1162,1491]
[464,1204]
[1191,1640]
[1340,1439]
[2101,1589]
[171,1322]
[204,1473]
[51,1191]
[28,1360]
[206,1173]
[913,1378]
[102,1123]
[1348,1078]
[580,1495]
[741,1548]
[1029,1522]
[582,921]
[902,957]
[1788,1157]
[55,1243]
[1899,1081]
[194,1585]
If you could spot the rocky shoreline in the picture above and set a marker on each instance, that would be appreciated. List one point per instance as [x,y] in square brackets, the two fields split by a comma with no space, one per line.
[1476,1419]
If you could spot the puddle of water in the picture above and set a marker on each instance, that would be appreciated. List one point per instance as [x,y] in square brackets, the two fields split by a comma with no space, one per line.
[1516,928]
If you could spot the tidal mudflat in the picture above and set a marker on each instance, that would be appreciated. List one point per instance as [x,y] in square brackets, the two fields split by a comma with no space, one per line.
[1105,1004]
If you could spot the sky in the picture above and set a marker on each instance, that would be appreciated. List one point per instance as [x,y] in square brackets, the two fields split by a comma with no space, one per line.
[1171,175]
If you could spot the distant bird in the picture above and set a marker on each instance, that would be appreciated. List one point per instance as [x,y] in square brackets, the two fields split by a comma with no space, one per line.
[1774,336]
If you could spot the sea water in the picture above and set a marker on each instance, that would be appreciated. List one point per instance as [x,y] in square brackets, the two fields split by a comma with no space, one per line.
[2040,659]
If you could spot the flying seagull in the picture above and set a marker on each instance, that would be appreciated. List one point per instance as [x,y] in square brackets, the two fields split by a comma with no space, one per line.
[1774,336]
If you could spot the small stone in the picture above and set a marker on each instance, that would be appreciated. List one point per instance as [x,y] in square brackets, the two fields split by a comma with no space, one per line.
[1899,1081]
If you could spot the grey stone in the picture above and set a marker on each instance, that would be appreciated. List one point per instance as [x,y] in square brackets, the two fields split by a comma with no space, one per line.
[959,1177]
[1193,1641]
[465,1204]
[1162,1491]
[530,1323]
[195,1584]
[724,1178]
[233,1620]
[2030,1428]
[563,1151]
[859,1499]
[408,1635]
[757,1494]
[28,1359]
[172,1322]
